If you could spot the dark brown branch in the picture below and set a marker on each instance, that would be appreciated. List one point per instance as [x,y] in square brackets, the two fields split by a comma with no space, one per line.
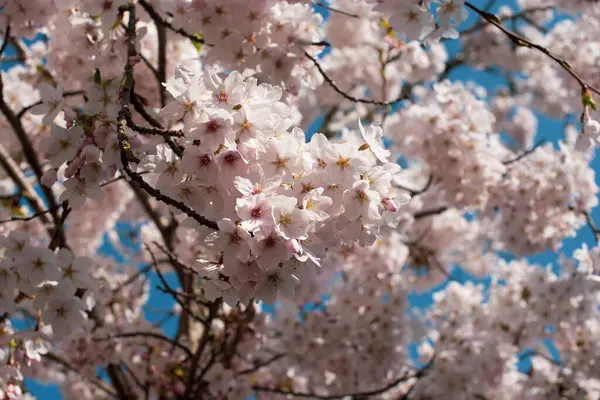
[167,289]
[139,108]
[521,14]
[420,191]
[150,66]
[174,260]
[428,213]
[195,362]
[403,93]
[6,39]
[124,114]
[165,133]
[65,94]
[356,395]
[117,378]
[96,382]
[168,200]
[525,153]
[158,20]
[27,191]
[337,11]
[58,238]
[321,43]
[595,230]
[42,211]
[30,156]
[133,278]
[259,364]
[523,42]
[152,335]
[21,53]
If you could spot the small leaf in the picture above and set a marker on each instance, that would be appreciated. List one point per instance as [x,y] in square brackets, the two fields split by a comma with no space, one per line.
[198,41]
[587,99]
[97,77]
[46,76]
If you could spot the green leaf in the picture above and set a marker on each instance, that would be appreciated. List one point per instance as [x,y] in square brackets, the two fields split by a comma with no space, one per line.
[197,41]
[97,77]
[587,99]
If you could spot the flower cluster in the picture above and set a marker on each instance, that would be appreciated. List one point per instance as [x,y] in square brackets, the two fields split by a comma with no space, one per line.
[224,253]
[450,130]
[51,287]
[539,202]
[278,201]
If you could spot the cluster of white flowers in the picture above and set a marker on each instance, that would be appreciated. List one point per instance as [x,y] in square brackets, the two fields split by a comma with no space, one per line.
[364,318]
[415,19]
[540,201]
[259,212]
[50,287]
[451,131]
[50,278]
[278,201]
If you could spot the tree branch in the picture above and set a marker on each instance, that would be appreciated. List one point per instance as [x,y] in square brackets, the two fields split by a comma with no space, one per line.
[525,153]
[27,191]
[30,156]
[98,383]
[65,94]
[413,192]
[337,11]
[357,395]
[428,213]
[523,42]
[403,94]
[158,20]
[590,221]
[125,114]
[153,335]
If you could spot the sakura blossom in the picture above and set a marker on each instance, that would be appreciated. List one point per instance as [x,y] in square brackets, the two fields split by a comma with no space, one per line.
[271,199]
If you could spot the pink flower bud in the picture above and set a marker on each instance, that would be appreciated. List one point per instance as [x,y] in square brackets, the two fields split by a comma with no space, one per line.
[70,117]
[389,204]
[293,246]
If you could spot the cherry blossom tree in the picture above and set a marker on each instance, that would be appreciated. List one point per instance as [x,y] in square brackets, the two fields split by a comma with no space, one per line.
[294,255]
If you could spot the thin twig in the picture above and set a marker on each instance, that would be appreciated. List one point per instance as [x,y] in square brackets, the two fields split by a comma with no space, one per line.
[259,364]
[523,42]
[27,190]
[403,93]
[428,213]
[357,395]
[161,21]
[337,11]
[30,155]
[37,103]
[153,335]
[165,133]
[521,14]
[6,39]
[525,153]
[590,221]
[420,191]
[96,382]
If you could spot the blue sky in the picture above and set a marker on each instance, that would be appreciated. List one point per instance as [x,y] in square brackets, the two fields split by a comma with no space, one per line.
[549,129]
